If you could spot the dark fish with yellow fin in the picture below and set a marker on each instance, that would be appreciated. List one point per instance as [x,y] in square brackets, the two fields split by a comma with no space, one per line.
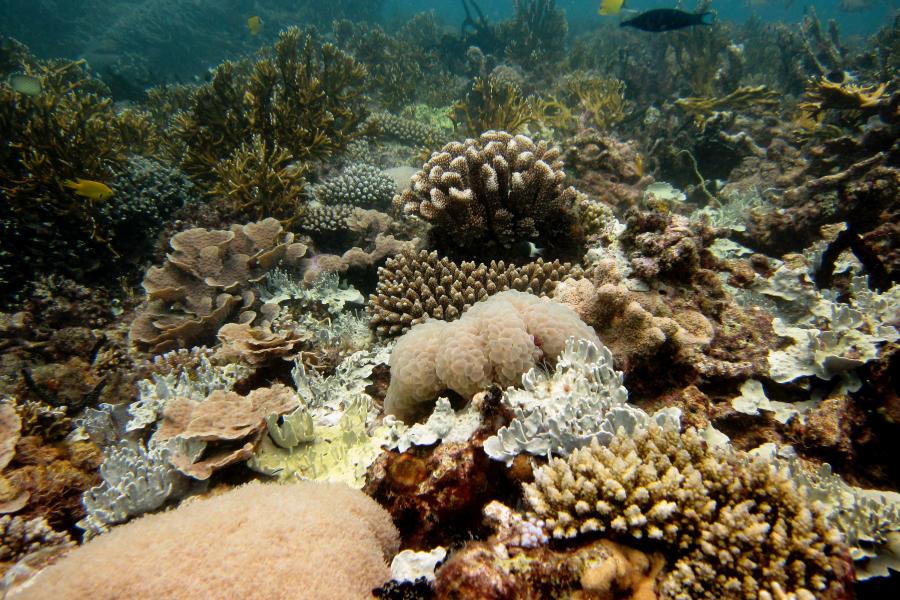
[254,24]
[610,7]
[666,19]
[87,188]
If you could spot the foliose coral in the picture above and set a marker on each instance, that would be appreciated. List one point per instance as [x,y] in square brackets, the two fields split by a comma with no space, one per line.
[358,184]
[494,342]
[583,400]
[484,196]
[414,287]
[738,525]
[206,280]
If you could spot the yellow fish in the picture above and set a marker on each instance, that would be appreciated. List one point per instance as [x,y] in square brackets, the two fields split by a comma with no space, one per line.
[28,85]
[254,24]
[639,165]
[610,7]
[89,189]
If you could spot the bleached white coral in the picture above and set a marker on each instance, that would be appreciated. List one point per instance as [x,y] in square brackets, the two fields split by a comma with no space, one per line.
[444,425]
[326,290]
[330,436]
[583,399]
[410,565]
[135,481]
[869,519]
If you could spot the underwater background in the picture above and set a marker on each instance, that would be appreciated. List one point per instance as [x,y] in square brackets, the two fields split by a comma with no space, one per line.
[457,299]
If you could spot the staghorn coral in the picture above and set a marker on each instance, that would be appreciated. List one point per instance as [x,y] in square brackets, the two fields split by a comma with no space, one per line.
[736,525]
[358,184]
[823,94]
[258,180]
[536,34]
[484,196]
[295,533]
[740,99]
[492,104]
[206,280]
[70,130]
[596,101]
[414,287]
[494,342]
[302,95]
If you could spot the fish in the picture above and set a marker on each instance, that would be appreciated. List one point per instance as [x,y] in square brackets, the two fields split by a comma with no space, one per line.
[610,7]
[28,85]
[666,19]
[254,24]
[534,250]
[87,188]
[639,165]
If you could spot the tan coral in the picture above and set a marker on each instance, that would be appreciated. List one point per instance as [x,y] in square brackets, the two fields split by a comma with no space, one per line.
[737,525]
[413,287]
[257,345]
[225,418]
[206,282]
[496,341]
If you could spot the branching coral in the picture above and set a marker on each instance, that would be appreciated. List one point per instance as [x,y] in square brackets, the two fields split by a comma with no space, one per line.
[412,288]
[536,34]
[736,526]
[492,104]
[303,95]
[597,101]
[360,185]
[824,94]
[66,132]
[741,99]
[258,181]
[484,196]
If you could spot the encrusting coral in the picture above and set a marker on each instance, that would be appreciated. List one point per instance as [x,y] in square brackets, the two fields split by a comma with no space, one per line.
[412,288]
[207,279]
[484,196]
[256,541]
[734,526]
[494,342]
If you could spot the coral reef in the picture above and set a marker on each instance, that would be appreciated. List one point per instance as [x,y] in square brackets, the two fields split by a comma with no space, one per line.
[732,523]
[494,342]
[484,196]
[492,104]
[318,526]
[207,281]
[412,288]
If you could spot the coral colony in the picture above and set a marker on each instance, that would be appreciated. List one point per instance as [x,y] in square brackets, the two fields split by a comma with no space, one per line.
[449,304]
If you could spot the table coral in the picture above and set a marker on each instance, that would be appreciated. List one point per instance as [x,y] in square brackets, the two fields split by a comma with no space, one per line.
[484,196]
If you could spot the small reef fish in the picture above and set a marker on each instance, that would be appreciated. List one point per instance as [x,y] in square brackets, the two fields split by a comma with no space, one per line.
[534,250]
[89,189]
[666,19]
[254,24]
[27,85]
[610,7]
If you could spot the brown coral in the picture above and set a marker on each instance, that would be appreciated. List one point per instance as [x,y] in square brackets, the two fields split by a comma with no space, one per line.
[484,196]
[206,281]
[737,525]
[230,424]
[414,287]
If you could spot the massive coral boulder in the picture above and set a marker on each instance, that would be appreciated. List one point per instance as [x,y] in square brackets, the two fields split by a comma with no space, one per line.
[495,342]
[485,196]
